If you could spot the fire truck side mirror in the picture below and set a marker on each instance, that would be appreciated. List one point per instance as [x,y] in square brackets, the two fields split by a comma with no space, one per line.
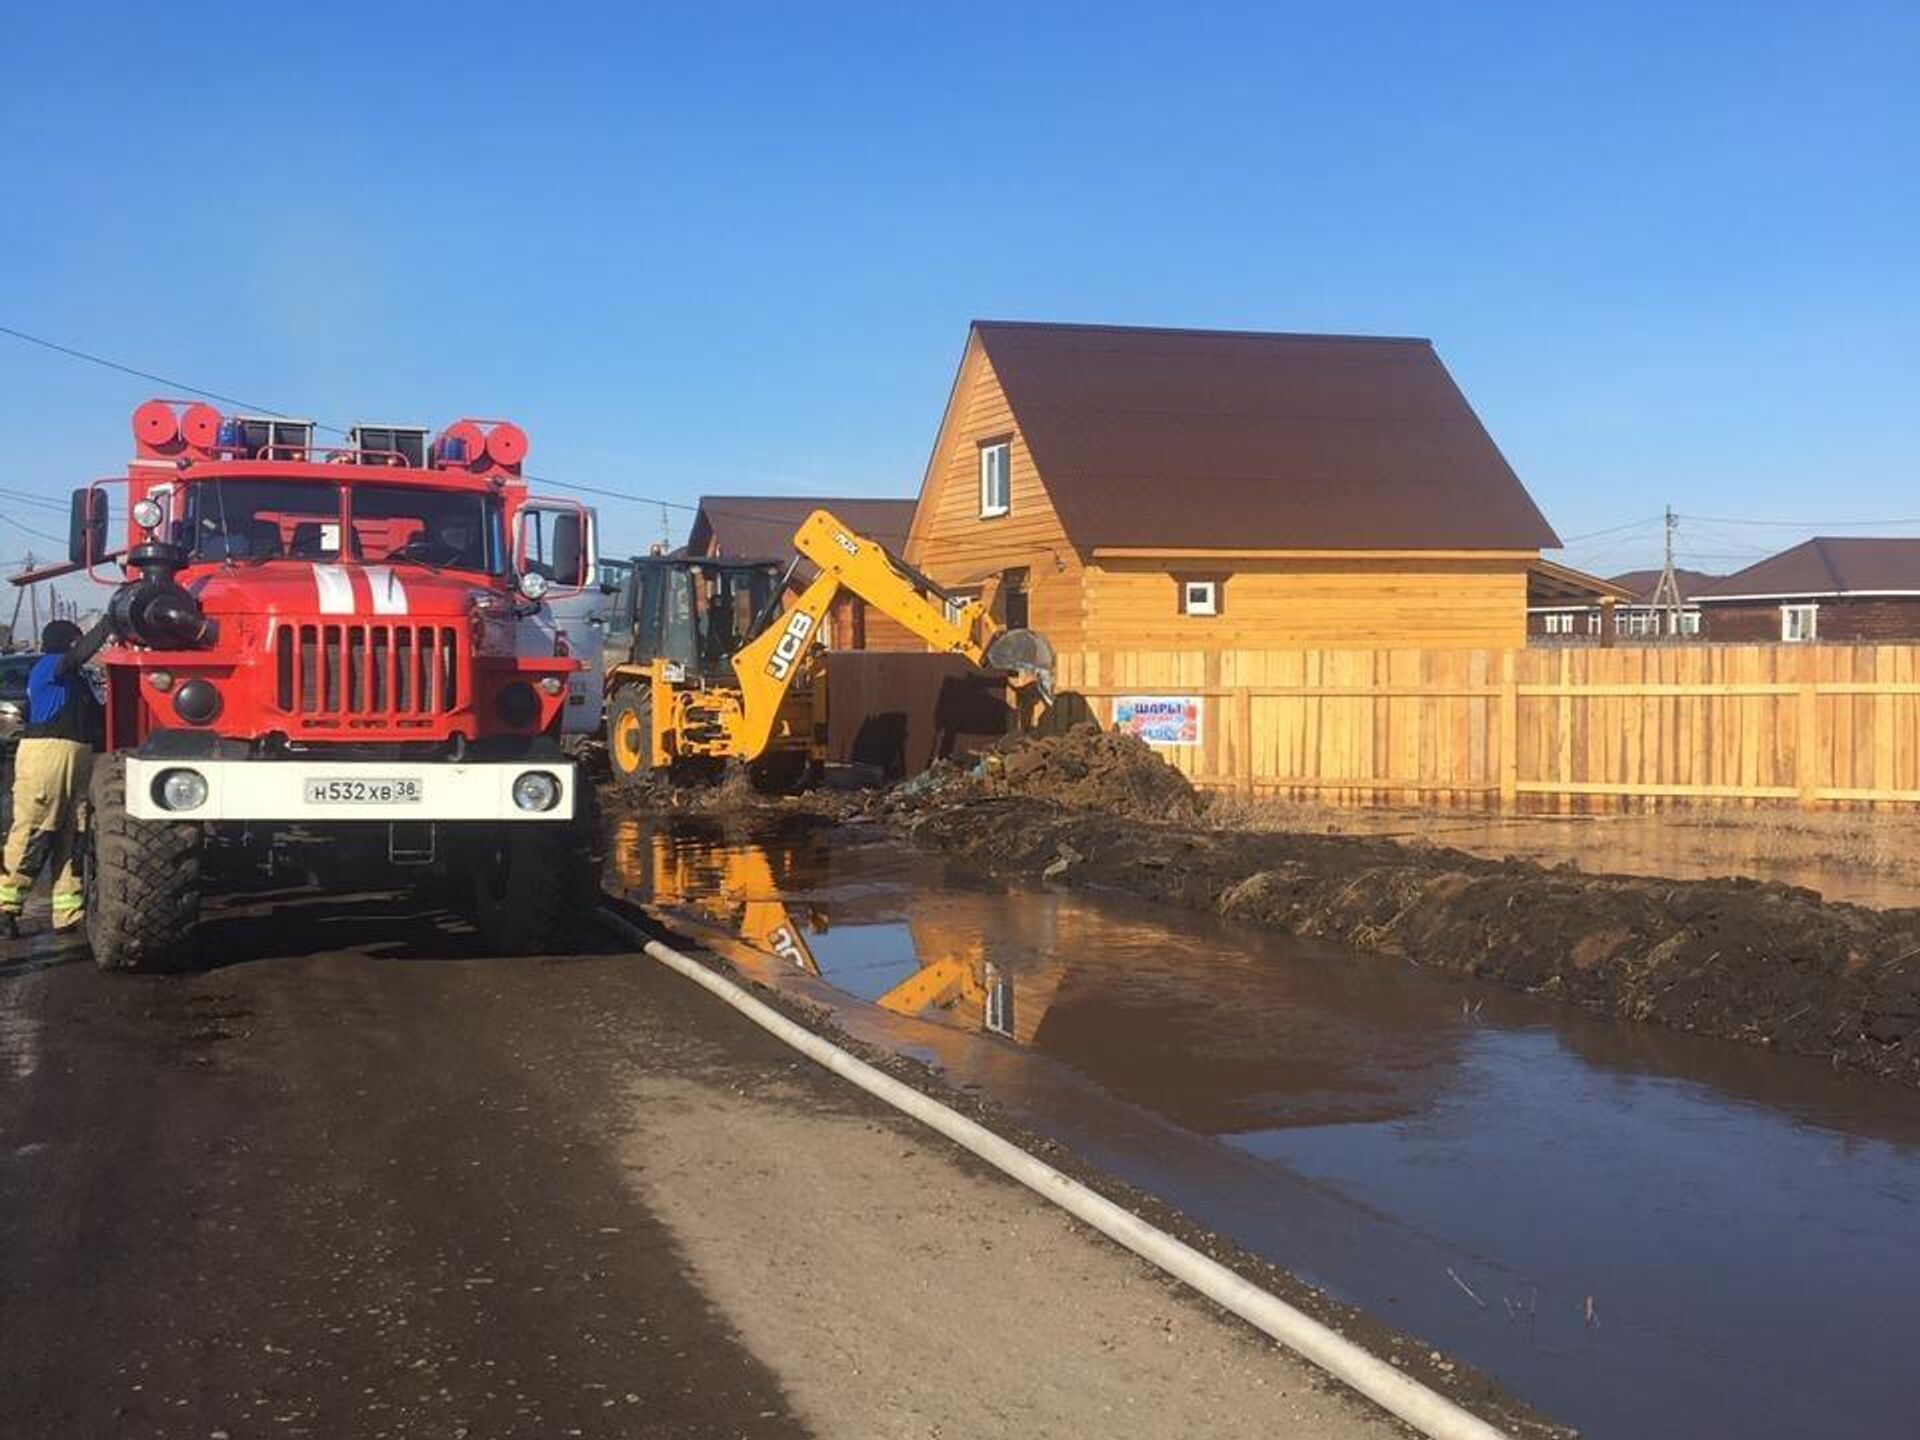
[553,539]
[87,526]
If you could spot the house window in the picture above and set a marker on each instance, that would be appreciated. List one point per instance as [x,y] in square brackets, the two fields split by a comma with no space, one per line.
[996,492]
[1799,623]
[1560,624]
[1199,597]
[1593,622]
[1689,622]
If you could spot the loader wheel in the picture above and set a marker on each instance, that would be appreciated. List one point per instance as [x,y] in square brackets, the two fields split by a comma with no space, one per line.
[630,736]
[535,886]
[142,880]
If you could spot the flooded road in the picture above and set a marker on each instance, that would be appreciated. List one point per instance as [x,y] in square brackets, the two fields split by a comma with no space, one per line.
[1643,1233]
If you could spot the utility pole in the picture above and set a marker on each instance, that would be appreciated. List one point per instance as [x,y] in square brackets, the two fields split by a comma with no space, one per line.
[19,597]
[666,531]
[1666,595]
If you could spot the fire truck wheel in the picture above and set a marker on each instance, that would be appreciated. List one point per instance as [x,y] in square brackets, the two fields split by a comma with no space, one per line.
[535,890]
[630,736]
[142,880]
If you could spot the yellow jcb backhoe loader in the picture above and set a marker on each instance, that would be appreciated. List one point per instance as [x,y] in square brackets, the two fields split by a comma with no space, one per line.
[715,670]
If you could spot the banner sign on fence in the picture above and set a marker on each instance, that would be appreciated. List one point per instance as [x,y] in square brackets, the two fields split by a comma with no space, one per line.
[1159,719]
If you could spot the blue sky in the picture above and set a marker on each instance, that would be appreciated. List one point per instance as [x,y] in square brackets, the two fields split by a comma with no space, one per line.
[1669,252]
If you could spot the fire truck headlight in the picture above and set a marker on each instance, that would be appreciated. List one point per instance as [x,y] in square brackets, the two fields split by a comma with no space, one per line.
[532,584]
[552,684]
[180,789]
[536,790]
[197,702]
[147,514]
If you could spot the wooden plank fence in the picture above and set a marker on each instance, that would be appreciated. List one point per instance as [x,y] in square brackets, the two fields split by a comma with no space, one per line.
[1552,729]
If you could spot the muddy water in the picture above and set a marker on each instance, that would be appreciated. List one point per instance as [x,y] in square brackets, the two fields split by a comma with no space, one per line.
[1643,1233]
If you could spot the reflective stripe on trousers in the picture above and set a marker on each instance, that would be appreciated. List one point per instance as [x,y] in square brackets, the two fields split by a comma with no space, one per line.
[49,808]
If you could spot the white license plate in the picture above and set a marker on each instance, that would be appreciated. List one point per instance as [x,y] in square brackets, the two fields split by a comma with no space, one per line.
[363,792]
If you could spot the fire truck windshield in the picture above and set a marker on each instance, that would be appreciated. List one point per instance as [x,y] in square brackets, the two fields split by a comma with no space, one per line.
[441,529]
[243,520]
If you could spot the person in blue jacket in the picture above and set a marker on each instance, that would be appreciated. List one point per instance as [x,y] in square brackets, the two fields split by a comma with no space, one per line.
[51,769]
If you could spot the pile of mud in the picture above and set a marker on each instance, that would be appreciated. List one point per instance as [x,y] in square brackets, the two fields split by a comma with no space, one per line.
[1763,963]
[1084,768]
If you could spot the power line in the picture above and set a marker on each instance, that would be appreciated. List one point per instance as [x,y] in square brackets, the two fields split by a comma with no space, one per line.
[59,540]
[27,497]
[1572,540]
[124,369]
[92,359]
[1800,524]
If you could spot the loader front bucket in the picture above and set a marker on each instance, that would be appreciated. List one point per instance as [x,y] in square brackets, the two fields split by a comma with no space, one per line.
[1028,655]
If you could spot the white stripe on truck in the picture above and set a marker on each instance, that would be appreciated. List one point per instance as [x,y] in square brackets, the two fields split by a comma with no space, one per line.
[334,584]
[389,594]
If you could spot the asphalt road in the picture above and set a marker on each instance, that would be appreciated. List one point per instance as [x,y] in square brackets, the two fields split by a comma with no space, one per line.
[354,1178]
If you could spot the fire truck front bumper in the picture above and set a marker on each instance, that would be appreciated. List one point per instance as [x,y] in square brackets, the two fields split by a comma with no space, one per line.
[322,792]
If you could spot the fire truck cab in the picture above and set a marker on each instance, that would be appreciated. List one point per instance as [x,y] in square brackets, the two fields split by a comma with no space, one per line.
[321,656]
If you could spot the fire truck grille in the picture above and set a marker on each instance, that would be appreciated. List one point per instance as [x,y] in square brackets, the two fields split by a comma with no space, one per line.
[348,674]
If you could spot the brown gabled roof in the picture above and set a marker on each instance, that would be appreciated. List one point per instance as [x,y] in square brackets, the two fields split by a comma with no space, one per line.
[1642,583]
[1216,439]
[1846,565]
[760,527]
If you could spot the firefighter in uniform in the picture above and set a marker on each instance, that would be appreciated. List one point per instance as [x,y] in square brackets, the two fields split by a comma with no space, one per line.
[50,772]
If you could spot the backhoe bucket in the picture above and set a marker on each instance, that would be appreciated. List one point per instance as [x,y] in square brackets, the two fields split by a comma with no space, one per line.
[1027,654]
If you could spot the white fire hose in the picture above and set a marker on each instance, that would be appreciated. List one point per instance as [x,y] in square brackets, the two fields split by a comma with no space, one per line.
[1399,1394]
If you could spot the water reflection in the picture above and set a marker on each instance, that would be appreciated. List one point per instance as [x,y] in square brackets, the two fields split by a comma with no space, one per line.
[1742,1222]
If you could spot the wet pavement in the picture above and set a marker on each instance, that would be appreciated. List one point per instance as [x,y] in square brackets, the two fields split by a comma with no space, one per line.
[1643,1233]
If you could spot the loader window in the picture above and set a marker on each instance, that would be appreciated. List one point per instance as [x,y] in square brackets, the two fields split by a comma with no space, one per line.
[250,520]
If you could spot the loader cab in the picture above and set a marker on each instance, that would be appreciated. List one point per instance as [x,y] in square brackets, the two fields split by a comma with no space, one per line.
[696,612]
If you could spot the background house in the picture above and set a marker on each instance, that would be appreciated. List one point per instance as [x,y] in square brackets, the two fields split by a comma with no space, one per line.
[761,527]
[1619,610]
[1122,489]
[1570,607]
[1846,589]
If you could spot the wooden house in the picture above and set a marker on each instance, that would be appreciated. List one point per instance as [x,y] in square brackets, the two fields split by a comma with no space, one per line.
[1121,488]
[1848,589]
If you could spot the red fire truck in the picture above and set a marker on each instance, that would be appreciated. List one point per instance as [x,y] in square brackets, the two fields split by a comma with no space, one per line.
[332,660]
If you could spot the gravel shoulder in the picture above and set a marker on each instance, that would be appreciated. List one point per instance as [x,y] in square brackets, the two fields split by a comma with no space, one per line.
[358,1178]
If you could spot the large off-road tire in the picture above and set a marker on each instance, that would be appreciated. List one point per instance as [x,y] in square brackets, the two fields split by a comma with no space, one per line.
[142,880]
[535,885]
[630,736]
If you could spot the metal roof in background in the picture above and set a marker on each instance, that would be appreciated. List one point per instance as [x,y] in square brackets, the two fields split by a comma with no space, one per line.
[1642,583]
[761,527]
[1210,439]
[1828,565]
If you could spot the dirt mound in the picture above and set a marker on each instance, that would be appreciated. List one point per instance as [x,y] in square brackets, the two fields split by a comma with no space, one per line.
[1084,768]
[1764,963]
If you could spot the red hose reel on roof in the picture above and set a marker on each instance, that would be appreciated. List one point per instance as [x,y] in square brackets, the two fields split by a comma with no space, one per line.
[482,444]
[170,427]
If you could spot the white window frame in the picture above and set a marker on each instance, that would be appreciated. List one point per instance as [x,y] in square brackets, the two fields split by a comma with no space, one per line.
[991,509]
[1559,622]
[956,601]
[1207,607]
[1787,612]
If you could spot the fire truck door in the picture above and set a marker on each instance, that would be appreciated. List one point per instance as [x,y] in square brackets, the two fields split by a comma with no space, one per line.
[563,542]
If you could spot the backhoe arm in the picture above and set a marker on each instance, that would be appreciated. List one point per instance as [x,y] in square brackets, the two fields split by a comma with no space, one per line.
[896,590]
[769,664]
